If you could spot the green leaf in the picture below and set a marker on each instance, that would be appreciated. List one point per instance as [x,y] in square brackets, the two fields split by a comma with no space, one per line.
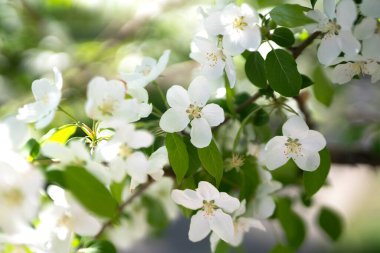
[287,173]
[306,81]
[291,222]
[283,37]
[56,177]
[178,156]
[279,248]
[255,69]
[282,73]
[222,247]
[90,191]
[323,88]
[314,180]
[117,190]
[100,246]
[60,135]
[290,15]
[260,118]
[31,149]
[313,2]
[331,223]
[194,162]
[211,159]
[156,215]
[249,178]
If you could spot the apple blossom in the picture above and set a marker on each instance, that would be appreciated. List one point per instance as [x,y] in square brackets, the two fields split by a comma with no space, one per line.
[48,96]
[212,207]
[13,133]
[336,25]
[343,73]
[370,8]
[147,72]
[242,225]
[298,143]
[106,100]
[190,107]
[214,61]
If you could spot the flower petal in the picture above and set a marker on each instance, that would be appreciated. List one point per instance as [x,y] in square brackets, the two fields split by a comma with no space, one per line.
[199,91]
[343,73]
[277,141]
[371,47]
[174,120]
[231,44]
[207,191]
[200,134]
[251,38]
[294,127]
[348,43]
[329,8]
[214,114]
[264,207]
[230,71]
[346,14]
[177,97]
[328,50]
[222,225]
[187,198]
[313,141]
[140,139]
[370,8]
[275,157]
[365,28]
[199,227]
[308,161]
[45,120]
[228,203]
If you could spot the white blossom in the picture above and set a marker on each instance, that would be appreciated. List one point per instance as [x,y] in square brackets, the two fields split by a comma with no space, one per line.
[107,100]
[13,134]
[214,60]
[147,72]
[370,8]
[190,107]
[298,143]
[47,95]
[213,208]
[336,25]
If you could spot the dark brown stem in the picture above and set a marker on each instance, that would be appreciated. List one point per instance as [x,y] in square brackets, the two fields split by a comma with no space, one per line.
[296,51]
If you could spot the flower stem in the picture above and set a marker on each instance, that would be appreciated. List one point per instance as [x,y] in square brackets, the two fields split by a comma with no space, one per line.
[161,95]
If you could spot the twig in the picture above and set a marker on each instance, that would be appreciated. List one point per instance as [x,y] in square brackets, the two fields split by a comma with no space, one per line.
[296,51]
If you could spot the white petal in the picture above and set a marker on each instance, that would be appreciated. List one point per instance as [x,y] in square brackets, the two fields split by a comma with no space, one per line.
[343,73]
[207,191]
[370,8]
[199,91]
[230,71]
[313,141]
[139,93]
[137,167]
[177,96]
[199,227]
[275,157]
[214,240]
[187,198]
[32,112]
[214,114]
[58,78]
[213,24]
[157,161]
[251,38]
[232,45]
[174,120]
[57,151]
[141,139]
[371,47]
[45,120]
[328,50]
[200,134]
[365,28]
[329,8]
[228,203]
[294,127]
[309,161]
[346,14]
[348,43]
[263,207]
[160,67]
[222,225]
[42,87]
[275,142]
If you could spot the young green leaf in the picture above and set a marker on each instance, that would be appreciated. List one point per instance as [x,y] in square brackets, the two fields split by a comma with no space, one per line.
[331,223]
[31,149]
[249,178]
[290,15]
[178,156]
[283,37]
[314,180]
[291,222]
[90,191]
[99,246]
[282,73]
[306,81]
[194,162]
[323,88]
[255,69]
[212,161]
[279,248]
[313,2]
[61,134]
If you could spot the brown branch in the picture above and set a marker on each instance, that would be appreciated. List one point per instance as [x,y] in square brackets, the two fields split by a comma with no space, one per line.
[354,157]
[296,51]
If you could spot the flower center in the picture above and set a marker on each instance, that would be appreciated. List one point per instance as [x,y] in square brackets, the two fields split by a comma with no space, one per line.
[124,151]
[212,58]
[194,112]
[209,207]
[235,162]
[13,196]
[331,28]
[107,107]
[292,146]
[146,70]
[239,23]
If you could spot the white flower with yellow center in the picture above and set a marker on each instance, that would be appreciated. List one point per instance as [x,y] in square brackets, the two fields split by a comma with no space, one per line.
[47,95]
[336,25]
[190,107]
[298,143]
[147,72]
[213,208]
[214,61]
[107,100]
[239,27]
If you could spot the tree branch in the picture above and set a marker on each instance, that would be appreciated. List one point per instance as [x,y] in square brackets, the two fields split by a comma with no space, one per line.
[296,51]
